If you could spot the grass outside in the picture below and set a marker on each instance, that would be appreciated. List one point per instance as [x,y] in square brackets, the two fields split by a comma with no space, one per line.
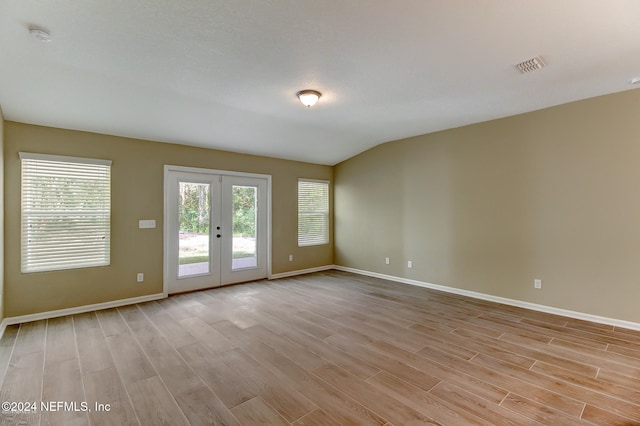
[202,259]
[194,248]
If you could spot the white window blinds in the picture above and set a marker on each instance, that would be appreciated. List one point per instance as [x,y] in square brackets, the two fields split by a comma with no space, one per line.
[313,212]
[66,212]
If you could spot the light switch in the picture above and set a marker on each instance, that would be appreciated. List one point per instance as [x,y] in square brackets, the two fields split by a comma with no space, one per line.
[142,224]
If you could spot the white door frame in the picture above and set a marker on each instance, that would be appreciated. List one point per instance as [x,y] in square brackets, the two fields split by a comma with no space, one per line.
[172,168]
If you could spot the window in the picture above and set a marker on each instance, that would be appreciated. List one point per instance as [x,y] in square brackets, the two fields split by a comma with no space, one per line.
[313,212]
[66,212]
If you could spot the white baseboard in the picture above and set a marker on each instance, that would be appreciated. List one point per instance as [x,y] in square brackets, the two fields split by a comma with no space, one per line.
[301,272]
[482,296]
[512,302]
[77,310]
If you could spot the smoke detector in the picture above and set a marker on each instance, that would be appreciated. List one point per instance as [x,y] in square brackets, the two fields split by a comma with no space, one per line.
[529,65]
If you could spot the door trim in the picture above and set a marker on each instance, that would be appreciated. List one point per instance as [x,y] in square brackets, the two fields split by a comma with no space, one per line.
[165,232]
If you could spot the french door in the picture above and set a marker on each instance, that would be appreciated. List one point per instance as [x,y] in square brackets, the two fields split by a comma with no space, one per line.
[216,228]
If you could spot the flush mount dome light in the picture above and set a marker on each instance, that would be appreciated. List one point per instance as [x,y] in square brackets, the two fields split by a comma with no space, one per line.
[308,97]
[40,34]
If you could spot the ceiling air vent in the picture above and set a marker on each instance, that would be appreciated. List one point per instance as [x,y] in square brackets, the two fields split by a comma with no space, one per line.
[529,65]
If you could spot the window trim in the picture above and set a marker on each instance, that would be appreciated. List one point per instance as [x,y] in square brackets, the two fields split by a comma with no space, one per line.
[35,266]
[327,213]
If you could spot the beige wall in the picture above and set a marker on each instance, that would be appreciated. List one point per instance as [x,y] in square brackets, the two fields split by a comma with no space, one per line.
[553,194]
[137,193]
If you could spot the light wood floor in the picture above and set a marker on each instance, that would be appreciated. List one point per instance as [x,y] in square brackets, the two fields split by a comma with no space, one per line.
[323,349]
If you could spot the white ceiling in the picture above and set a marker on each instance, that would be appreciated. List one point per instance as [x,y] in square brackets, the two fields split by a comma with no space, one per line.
[224,73]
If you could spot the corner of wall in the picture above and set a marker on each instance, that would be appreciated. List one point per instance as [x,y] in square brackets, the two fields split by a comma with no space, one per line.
[1,216]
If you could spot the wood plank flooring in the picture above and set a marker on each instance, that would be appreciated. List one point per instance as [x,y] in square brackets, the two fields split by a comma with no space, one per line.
[328,348]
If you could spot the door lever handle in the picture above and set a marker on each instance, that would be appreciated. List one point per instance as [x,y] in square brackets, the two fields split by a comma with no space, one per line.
[219,235]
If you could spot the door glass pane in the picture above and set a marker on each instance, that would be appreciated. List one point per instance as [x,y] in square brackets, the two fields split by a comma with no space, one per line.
[244,226]
[194,232]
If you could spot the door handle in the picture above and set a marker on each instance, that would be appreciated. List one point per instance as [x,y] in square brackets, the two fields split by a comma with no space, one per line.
[219,235]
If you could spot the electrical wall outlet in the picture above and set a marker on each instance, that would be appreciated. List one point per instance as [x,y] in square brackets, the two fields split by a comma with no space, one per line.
[386,260]
[290,258]
[537,283]
[409,264]
[140,277]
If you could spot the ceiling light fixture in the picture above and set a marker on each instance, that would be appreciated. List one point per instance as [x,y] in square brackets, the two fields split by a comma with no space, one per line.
[308,97]
[40,34]
[635,80]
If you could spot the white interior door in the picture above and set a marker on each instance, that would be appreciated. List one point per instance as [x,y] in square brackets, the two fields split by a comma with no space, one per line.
[216,228]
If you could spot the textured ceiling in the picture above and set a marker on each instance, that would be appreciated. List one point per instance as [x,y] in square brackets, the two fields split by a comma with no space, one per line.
[223,74]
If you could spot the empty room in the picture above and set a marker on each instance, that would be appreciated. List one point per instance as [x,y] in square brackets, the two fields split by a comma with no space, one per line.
[319,212]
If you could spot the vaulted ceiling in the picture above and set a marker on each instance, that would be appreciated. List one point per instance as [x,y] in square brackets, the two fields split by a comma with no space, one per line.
[224,73]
